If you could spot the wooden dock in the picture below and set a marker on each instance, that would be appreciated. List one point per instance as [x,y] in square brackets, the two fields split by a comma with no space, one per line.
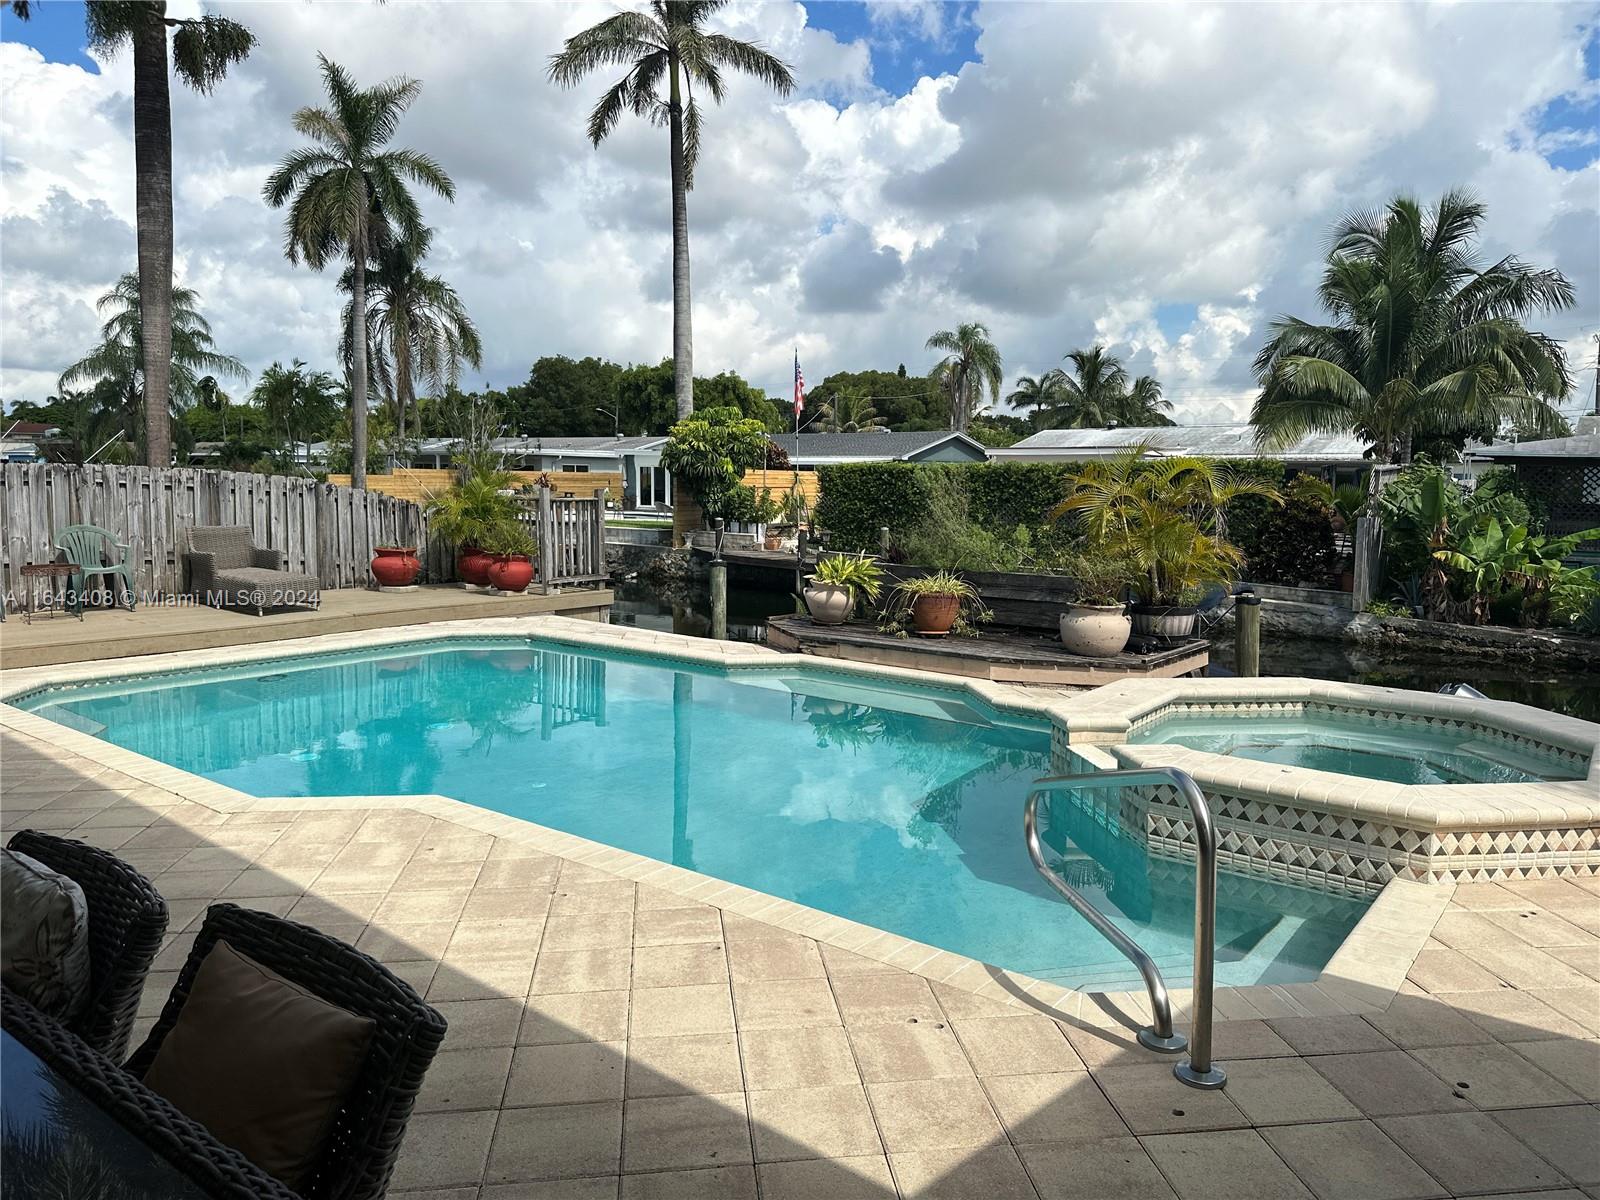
[1004,656]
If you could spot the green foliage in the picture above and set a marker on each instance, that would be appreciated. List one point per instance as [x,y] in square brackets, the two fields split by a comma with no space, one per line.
[858,572]
[1097,392]
[474,510]
[849,411]
[297,403]
[1419,508]
[1504,481]
[509,537]
[709,453]
[970,368]
[1425,340]
[904,402]
[1293,542]
[1099,576]
[997,431]
[947,536]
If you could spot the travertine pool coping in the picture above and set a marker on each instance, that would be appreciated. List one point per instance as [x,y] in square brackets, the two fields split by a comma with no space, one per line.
[1362,976]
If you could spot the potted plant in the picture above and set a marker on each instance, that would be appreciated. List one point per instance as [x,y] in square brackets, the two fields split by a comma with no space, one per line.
[935,604]
[468,514]
[1097,625]
[767,511]
[395,566]
[832,591]
[510,548]
[792,508]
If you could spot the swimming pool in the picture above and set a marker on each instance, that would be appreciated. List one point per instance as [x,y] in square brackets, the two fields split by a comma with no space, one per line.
[894,805]
[1372,747]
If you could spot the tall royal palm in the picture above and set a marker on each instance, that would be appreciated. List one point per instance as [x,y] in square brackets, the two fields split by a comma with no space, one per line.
[1423,339]
[417,327]
[970,367]
[203,48]
[667,45]
[1096,392]
[349,198]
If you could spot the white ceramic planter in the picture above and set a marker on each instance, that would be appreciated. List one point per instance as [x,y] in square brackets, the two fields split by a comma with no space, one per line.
[1095,630]
[828,603]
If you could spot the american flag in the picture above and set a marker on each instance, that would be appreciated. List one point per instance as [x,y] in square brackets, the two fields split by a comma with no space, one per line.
[799,385]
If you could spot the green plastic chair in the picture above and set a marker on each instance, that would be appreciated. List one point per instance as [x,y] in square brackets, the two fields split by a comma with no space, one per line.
[87,547]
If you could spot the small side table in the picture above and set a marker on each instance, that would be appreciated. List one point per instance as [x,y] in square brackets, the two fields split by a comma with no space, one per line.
[55,593]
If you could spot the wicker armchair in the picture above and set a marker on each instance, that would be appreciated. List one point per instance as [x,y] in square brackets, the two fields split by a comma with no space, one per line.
[227,570]
[127,920]
[186,1146]
[360,1152]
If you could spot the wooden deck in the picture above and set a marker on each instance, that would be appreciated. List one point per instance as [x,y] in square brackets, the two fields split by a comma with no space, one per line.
[1005,656]
[158,629]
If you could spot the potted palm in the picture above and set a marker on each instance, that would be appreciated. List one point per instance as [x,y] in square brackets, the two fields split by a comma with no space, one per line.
[767,511]
[510,550]
[839,580]
[1097,625]
[935,604]
[468,514]
[1173,560]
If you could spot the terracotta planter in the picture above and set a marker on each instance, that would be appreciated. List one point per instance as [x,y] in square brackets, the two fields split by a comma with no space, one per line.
[510,572]
[828,603]
[771,542]
[395,566]
[1164,620]
[932,616]
[1095,630]
[472,565]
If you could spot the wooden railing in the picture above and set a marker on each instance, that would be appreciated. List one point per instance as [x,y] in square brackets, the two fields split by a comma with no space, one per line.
[322,529]
[571,536]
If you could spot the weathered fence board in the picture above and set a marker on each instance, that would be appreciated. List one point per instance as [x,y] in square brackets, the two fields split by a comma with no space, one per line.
[571,535]
[325,530]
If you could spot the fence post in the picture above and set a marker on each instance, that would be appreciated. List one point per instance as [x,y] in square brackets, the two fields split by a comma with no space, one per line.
[1368,555]
[1247,635]
[599,567]
[547,544]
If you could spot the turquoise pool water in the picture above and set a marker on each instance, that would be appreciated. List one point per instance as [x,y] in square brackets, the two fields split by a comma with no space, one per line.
[1350,744]
[897,807]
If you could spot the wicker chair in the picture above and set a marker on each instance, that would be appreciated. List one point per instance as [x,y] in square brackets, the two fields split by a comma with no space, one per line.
[217,1171]
[228,570]
[127,920]
[360,1153]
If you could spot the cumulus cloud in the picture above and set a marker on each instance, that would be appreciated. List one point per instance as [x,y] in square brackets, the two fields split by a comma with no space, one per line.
[1097,169]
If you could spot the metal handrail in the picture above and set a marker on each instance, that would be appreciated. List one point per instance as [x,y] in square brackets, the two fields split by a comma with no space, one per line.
[1197,1070]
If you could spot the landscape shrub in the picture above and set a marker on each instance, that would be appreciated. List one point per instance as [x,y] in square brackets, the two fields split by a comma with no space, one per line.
[1292,543]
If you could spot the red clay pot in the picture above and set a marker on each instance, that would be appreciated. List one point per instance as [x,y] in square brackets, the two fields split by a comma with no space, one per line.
[510,572]
[932,616]
[395,566]
[472,565]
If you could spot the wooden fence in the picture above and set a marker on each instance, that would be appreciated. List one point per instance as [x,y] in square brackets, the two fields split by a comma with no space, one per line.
[421,484]
[571,534]
[325,530]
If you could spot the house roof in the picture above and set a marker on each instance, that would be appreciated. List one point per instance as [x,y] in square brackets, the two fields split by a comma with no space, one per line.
[1211,441]
[882,446]
[1583,443]
[571,447]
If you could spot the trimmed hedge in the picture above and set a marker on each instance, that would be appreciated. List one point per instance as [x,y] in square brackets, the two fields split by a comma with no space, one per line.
[860,498]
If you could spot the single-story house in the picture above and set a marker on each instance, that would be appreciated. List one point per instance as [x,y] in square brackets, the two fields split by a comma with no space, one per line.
[808,451]
[1564,471]
[1339,458]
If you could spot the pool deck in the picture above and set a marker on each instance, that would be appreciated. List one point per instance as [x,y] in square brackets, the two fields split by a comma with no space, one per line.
[619,1029]
[159,629]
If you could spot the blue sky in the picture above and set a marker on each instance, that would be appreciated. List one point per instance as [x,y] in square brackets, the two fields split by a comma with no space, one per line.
[55,30]
[902,50]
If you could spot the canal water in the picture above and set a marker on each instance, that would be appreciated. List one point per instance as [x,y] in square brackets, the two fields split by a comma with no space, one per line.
[686,609]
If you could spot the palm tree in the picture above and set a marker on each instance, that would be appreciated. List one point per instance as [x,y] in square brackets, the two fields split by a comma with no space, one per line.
[211,396]
[1096,393]
[203,48]
[667,43]
[850,411]
[1424,339]
[122,356]
[348,197]
[1038,392]
[299,401]
[971,365]
[416,326]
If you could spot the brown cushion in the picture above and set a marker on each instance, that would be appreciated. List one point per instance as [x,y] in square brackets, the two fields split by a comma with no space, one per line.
[260,1062]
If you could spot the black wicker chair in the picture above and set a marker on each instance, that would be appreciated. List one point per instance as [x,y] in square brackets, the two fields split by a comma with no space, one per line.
[127,920]
[360,1153]
[186,1146]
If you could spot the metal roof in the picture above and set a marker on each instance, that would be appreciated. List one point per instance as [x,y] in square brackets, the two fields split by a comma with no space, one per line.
[577,447]
[1210,441]
[1579,445]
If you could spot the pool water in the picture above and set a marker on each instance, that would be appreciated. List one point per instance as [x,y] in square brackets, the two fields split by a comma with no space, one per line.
[898,807]
[1350,744]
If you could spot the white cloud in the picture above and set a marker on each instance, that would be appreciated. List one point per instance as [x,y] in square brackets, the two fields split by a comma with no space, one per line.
[1100,163]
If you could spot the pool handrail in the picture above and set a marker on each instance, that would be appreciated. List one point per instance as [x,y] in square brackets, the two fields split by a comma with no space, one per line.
[1197,1070]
